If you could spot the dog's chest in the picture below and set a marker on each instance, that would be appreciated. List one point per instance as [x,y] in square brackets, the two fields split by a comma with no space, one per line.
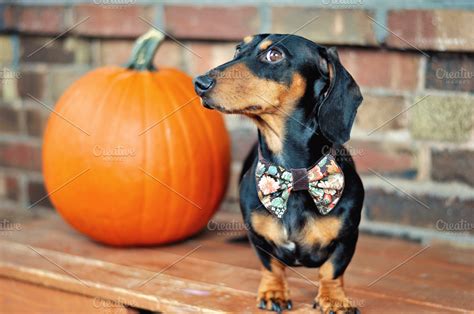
[314,232]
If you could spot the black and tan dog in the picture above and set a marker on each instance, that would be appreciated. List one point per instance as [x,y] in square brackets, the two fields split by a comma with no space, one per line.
[303,102]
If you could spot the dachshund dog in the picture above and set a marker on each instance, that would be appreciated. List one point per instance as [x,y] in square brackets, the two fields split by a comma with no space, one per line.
[300,194]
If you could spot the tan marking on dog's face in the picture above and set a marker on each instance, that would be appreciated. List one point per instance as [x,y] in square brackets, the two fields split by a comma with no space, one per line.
[320,231]
[248,39]
[265,44]
[267,102]
[269,227]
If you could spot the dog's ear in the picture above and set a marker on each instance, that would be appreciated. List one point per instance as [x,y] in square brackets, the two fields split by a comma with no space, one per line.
[342,98]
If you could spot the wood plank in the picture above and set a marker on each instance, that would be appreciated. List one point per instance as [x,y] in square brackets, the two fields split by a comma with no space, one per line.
[20,297]
[432,282]
[105,280]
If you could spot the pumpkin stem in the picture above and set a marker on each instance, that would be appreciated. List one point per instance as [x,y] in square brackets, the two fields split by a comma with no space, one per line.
[144,51]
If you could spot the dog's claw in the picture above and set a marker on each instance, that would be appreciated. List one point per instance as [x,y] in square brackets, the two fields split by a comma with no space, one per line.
[275,306]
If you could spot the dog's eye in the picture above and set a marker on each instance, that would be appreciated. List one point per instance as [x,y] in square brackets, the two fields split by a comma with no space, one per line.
[273,55]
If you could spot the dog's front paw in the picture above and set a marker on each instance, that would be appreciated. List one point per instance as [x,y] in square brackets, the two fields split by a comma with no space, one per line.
[328,305]
[274,300]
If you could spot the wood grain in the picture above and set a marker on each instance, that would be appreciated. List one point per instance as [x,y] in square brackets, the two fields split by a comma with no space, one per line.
[209,274]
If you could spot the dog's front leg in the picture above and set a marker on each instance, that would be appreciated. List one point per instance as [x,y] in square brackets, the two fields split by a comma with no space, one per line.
[331,296]
[273,292]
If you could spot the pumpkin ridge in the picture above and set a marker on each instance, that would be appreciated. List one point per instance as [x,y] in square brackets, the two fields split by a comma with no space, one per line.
[121,88]
[193,176]
[143,211]
[155,81]
[206,126]
[101,100]
[172,101]
[124,97]
[207,135]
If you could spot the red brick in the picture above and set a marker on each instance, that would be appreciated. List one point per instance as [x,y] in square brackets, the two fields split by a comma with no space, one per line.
[115,51]
[381,113]
[32,83]
[12,188]
[385,158]
[453,165]
[9,120]
[36,121]
[327,26]
[399,208]
[118,52]
[37,195]
[208,55]
[201,58]
[169,54]
[112,21]
[61,79]
[431,29]
[450,72]
[384,69]
[20,155]
[7,17]
[45,49]
[40,19]
[222,23]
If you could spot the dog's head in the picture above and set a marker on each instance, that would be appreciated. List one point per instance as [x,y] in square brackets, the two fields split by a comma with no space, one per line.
[277,73]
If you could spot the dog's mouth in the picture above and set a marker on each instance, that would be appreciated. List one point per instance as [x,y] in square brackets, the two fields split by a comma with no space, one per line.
[209,104]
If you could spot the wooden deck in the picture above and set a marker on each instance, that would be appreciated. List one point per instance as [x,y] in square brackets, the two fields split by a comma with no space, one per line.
[48,267]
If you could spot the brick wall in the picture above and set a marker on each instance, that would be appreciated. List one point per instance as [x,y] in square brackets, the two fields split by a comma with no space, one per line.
[413,139]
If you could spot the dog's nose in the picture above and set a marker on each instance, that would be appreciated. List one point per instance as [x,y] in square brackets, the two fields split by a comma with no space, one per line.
[203,84]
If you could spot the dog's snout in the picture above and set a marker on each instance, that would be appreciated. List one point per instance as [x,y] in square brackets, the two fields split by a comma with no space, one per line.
[203,84]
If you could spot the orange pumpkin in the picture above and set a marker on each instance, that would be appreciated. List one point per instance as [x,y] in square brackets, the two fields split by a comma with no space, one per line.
[130,157]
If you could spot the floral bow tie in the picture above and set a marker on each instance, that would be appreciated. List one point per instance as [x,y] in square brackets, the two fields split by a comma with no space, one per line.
[324,182]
